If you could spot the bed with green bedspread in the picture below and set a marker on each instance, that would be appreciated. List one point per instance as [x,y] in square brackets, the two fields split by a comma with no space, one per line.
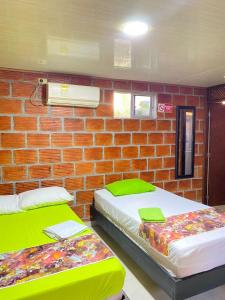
[92,282]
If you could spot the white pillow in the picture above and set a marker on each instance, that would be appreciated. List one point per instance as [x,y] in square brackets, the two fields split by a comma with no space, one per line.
[43,197]
[9,204]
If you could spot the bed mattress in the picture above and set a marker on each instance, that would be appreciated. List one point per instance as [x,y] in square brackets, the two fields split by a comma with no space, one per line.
[23,230]
[188,256]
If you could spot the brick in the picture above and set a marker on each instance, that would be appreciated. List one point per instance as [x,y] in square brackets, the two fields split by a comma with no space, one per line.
[14,173]
[93,153]
[83,112]
[156,87]
[102,83]
[22,89]
[179,100]
[8,106]
[63,170]
[103,139]
[49,155]
[40,171]
[169,138]
[190,195]
[83,139]
[33,76]
[94,124]
[26,186]
[38,140]
[197,183]
[6,188]
[84,197]
[148,125]
[171,186]
[104,110]
[112,152]
[122,84]
[5,157]
[139,164]
[199,196]
[168,162]
[60,78]
[94,182]
[122,138]
[163,150]
[200,114]
[130,152]
[164,98]
[164,125]
[162,175]
[112,177]
[13,140]
[4,89]
[62,140]
[155,138]
[73,154]
[186,90]
[5,123]
[25,123]
[104,167]
[62,111]
[131,125]
[73,124]
[81,80]
[35,109]
[172,174]
[114,125]
[55,182]
[11,75]
[83,168]
[155,163]
[200,91]
[75,183]
[172,89]
[25,156]
[146,151]
[139,138]
[139,86]
[87,212]
[148,176]
[122,165]
[199,138]
[193,100]
[181,194]
[50,124]
[79,211]
[108,96]
[185,184]
[130,175]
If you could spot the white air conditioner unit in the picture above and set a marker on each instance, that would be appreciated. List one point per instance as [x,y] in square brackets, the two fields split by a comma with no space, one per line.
[72,95]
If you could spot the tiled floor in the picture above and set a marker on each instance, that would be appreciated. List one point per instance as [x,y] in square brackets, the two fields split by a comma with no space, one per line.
[139,287]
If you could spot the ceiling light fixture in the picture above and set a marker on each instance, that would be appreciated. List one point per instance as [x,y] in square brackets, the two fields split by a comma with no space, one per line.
[135,28]
[223,102]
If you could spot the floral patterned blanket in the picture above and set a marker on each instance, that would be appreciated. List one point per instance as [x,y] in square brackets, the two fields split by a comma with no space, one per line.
[35,262]
[160,235]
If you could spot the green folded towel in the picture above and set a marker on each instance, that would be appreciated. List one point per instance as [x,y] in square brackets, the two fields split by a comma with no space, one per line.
[151,214]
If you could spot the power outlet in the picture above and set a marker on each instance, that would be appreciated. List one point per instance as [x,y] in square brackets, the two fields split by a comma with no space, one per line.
[42,81]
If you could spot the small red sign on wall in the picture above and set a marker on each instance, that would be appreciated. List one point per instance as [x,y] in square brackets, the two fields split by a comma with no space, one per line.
[163,107]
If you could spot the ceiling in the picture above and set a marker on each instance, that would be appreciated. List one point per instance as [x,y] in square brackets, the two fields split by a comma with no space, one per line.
[186,44]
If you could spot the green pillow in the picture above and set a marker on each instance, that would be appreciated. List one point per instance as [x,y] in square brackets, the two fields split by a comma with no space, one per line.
[129,186]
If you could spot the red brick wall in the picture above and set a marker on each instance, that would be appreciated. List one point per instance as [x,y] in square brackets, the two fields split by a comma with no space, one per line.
[83,149]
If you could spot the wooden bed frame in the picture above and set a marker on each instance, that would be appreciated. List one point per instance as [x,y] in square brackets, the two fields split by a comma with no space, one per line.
[177,289]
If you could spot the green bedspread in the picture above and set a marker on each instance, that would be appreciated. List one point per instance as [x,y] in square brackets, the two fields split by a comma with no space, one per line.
[93,282]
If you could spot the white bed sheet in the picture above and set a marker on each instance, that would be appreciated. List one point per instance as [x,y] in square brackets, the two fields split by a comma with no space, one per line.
[188,256]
